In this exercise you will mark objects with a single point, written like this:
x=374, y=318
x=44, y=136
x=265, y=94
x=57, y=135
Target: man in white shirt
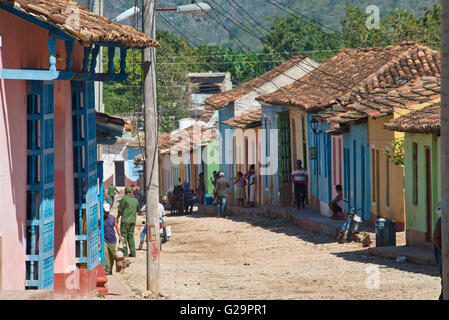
x=300, y=179
x=161, y=210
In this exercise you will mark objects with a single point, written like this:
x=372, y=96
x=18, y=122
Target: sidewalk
x=117, y=290
x=415, y=255
x=309, y=219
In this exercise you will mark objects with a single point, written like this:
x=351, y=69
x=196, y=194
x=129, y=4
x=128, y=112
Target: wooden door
x=119, y=173
x=428, y=195
x=39, y=262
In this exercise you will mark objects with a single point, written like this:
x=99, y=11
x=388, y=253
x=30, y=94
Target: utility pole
x=151, y=152
x=98, y=8
x=444, y=118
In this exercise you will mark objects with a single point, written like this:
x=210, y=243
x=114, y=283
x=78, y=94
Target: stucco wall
x=271, y=181
x=320, y=172
x=357, y=176
x=298, y=134
x=24, y=46
x=227, y=143
x=64, y=192
x=416, y=213
x=380, y=140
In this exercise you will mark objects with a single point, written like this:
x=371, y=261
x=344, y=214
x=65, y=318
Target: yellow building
x=299, y=141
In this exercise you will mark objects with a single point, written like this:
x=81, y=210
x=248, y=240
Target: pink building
x=49, y=234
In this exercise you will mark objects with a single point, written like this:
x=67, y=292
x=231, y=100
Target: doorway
x=428, y=195
x=119, y=173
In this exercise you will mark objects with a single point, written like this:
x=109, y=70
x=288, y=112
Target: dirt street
x=252, y=257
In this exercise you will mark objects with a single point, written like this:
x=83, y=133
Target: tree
x=395, y=27
x=292, y=35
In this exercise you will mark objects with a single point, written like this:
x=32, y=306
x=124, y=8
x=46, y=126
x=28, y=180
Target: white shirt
x=160, y=208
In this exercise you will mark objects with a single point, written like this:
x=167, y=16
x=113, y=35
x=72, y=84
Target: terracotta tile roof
x=93, y=28
x=342, y=118
x=354, y=73
x=243, y=120
x=187, y=139
x=425, y=120
x=384, y=101
x=207, y=113
x=412, y=93
x=224, y=98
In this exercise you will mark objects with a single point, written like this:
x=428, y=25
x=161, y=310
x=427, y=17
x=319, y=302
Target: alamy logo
x=373, y=20
x=372, y=282
x=73, y=20
x=73, y=280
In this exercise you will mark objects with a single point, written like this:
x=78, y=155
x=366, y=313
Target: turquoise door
x=40, y=186
x=85, y=175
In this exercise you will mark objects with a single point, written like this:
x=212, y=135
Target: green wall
x=212, y=164
x=415, y=215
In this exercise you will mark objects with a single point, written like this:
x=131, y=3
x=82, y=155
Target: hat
x=221, y=174
x=298, y=162
x=128, y=189
x=106, y=207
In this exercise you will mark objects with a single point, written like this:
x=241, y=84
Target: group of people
x=127, y=215
x=185, y=197
x=244, y=184
x=300, y=179
x=131, y=204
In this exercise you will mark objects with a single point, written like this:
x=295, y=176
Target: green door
x=285, y=160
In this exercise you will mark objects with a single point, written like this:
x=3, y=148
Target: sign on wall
x=313, y=153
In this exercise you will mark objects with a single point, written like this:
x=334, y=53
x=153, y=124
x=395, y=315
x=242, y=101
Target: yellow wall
x=296, y=134
x=380, y=140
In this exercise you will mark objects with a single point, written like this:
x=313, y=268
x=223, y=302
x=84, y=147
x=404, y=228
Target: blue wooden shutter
x=40, y=186
x=85, y=170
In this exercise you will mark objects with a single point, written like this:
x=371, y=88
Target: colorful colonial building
x=49, y=173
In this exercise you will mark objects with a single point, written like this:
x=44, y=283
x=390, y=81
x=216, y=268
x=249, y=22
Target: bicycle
x=350, y=226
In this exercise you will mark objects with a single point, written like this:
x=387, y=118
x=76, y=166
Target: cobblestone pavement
x=253, y=257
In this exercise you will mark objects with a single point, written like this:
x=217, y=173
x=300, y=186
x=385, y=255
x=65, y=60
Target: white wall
x=111, y=153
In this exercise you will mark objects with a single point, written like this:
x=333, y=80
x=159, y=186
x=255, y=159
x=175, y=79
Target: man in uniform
x=127, y=212
x=111, y=194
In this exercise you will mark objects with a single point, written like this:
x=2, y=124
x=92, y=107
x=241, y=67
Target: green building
x=422, y=178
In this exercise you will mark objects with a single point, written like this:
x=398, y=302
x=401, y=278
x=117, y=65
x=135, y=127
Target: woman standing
x=240, y=193
x=251, y=176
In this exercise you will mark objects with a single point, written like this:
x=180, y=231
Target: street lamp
x=198, y=10
x=131, y=12
x=314, y=126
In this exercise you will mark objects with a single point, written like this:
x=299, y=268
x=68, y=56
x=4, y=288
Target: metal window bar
x=39, y=264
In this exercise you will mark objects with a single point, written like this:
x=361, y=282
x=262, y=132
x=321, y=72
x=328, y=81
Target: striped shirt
x=299, y=175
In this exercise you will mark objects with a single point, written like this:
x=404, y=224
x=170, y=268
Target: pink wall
x=337, y=162
x=24, y=46
x=64, y=193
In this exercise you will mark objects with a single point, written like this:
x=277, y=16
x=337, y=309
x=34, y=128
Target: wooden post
x=151, y=151
x=445, y=143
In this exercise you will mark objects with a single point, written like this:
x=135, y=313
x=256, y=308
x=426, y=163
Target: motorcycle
x=351, y=226
x=165, y=231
